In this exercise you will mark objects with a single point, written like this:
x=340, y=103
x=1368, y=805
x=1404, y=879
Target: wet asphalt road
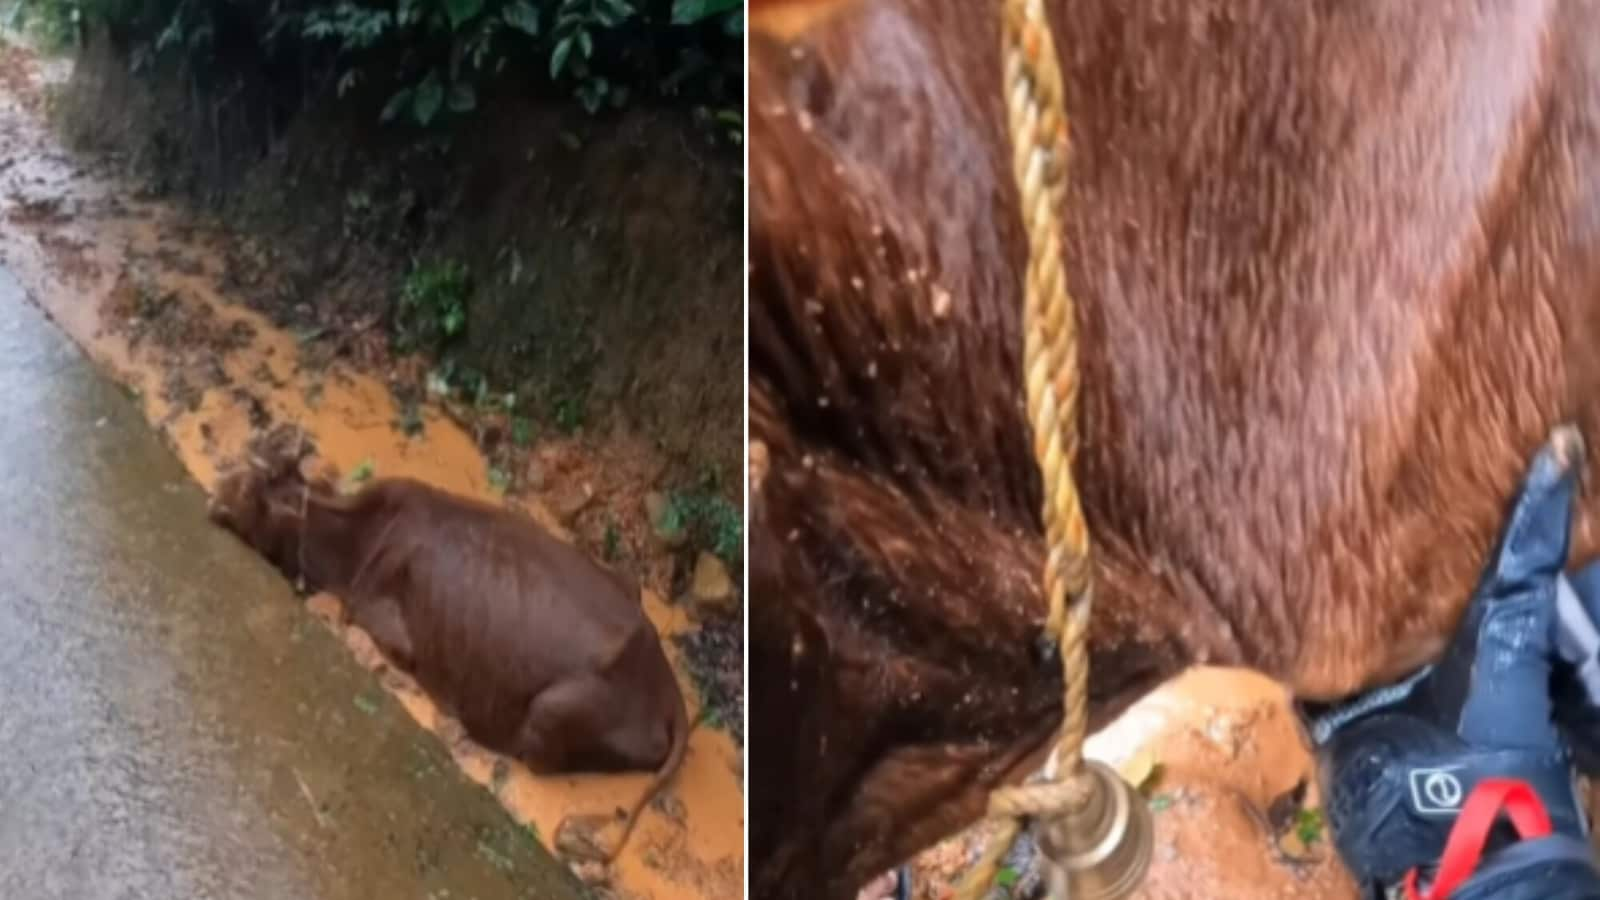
x=172, y=724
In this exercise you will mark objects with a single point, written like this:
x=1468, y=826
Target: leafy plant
x=708, y=518
x=433, y=306
x=425, y=62
x=360, y=474
x=1308, y=826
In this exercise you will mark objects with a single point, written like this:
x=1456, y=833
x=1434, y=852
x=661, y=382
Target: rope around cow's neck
x=1037, y=122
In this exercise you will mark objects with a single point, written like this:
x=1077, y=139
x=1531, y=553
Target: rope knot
x=1043, y=799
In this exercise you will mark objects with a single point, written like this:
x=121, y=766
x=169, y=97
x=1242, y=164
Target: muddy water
x=171, y=724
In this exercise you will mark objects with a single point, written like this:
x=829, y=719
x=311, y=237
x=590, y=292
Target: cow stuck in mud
x=1338, y=274
x=540, y=653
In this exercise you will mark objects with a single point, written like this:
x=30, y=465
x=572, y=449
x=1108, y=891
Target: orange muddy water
x=1231, y=785
x=142, y=290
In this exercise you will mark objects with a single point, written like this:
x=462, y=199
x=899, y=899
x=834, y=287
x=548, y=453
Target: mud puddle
x=145, y=293
x=1231, y=785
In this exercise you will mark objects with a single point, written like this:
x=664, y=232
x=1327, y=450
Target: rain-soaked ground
x=171, y=724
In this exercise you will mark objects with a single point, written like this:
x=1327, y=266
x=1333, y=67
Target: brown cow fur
x=1338, y=275
x=538, y=651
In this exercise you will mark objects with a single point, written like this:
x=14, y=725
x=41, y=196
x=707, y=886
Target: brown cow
x=1338, y=273
x=538, y=651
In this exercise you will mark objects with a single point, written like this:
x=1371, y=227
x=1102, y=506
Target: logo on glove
x=1436, y=792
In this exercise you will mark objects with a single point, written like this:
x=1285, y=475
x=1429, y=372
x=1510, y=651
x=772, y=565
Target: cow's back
x=499, y=608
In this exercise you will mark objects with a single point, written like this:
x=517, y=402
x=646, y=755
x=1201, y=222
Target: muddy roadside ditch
x=193, y=317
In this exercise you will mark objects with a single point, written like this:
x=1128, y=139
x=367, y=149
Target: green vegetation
x=521, y=431
x=706, y=517
x=361, y=473
x=432, y=311
x=424, y=62
x=1308, y=826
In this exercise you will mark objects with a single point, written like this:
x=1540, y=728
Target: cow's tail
x=680, y=746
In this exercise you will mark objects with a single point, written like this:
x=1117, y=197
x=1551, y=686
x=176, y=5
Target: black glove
x=1403, y=766
x=1577, y=679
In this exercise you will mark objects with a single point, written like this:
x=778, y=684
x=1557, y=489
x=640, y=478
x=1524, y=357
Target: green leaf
x=453, y=321
x=592, y=93
x=733, y=25
x=1308, y=826
x=462, y=11
x=522, y=16
x=463, y=98
x=558, y=58
x=400, y=100
x=429, y=97
x=362, y=471
x=688, y=12
x=1006, y=877
x=585, y=42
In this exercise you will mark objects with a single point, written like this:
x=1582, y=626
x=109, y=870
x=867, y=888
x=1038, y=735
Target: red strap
x=1464, y=849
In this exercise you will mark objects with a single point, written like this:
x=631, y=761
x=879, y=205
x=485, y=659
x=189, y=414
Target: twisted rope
x=1038, y=126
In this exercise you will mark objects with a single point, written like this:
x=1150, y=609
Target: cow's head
x=262, y=498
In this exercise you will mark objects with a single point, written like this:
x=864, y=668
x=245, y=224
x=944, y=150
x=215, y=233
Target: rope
x=1038, y=126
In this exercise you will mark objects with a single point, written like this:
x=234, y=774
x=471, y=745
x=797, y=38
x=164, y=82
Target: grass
x=709, y=716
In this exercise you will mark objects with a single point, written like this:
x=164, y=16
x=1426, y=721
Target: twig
x=306, y=791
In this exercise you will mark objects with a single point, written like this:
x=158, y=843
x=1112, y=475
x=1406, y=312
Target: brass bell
x=1101, y=851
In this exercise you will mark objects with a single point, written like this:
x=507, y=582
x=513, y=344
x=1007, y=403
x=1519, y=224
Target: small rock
x=570, y=499
x=575, y=841
x=711, y=590
x=656, y=508
x=592, y=872
x=668, y=804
